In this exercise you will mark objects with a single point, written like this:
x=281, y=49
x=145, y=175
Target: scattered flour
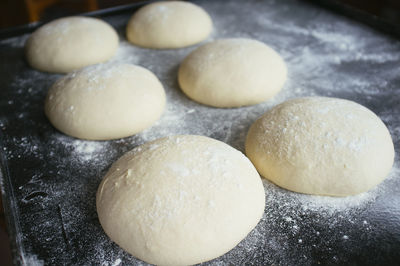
x=125, y=53
x=83, y=151
x=31, y=260
x=117, y=262
x=325, y=56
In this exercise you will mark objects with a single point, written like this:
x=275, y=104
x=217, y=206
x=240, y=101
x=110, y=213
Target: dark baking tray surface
x=49, y=180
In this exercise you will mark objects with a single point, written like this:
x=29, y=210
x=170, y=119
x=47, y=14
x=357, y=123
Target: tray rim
x=11, y=208
x=17, y=31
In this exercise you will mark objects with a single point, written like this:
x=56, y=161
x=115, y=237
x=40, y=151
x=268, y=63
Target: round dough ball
x=70, y=43
x=169, y=24
x=105, y=101
x=322, y=146
x=180, y=200
x=232, y=73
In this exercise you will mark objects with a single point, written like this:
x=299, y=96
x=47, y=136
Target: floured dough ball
x=169, y=24
x=71, y=43
x=323, y=146
x=232, y=73
x=180, y=200
x=105, y=101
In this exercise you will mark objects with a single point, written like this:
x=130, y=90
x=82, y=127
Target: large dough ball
x=322, y=146
x=180, y=200
x=169, y=24
x=105, y=101
x=71, y=43
x=232, y=73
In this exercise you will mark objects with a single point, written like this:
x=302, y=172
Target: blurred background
x=388, y=10
x=382, y=14
x=20, y=12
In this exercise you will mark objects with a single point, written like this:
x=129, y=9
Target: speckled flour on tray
x=326, y=55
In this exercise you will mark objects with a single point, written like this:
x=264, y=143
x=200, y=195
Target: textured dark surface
x=49, y=180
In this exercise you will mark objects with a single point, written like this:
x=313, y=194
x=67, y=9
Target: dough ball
x=105, y=101
x=169, y=24
x=322, y=146
x=71, y=43
x=232, y=73
x=180, y=200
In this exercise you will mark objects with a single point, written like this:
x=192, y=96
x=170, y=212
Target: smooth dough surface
x=169, y=24
x=105, y=101
x=323, y=146
x=70, y=43
x=232, y=73
x=180, y=200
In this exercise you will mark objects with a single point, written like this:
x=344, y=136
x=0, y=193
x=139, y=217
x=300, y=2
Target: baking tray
x=49, y=180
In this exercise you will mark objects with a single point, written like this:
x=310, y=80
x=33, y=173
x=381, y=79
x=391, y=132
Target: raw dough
x=71, y=43
x=105, y=101
x=232, y=73
x=171, y=24
x=323, y=146
x=180, y=200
